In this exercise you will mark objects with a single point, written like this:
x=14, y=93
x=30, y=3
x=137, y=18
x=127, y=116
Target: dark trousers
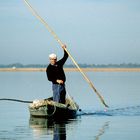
x=59, y=93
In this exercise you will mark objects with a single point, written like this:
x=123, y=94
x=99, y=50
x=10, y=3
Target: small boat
x=49, y=109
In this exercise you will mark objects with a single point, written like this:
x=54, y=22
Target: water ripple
x=125, y=111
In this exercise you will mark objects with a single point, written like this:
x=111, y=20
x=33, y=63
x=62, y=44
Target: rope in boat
x=34, y=12
x=15, y=100
x=52, y=112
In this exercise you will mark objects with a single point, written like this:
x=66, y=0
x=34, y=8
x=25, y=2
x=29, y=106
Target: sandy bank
x=72, y=69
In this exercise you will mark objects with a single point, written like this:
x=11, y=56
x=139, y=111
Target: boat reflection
x=57, y=130
x=42, y=127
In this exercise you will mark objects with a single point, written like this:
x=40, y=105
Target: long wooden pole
x=61, y=44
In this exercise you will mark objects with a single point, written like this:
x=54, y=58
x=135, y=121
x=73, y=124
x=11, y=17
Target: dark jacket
x=56, y=71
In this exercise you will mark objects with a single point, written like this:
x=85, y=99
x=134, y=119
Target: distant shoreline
x=72, y=69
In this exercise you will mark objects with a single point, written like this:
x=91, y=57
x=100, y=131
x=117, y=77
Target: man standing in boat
x=56, y=75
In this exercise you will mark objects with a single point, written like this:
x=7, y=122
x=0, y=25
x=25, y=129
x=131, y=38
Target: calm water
x=121, y=121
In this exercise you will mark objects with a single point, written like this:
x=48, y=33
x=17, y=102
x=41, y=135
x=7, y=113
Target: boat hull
x=50, y=109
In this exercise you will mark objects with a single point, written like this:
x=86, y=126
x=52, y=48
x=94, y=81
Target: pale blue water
x=121, y=121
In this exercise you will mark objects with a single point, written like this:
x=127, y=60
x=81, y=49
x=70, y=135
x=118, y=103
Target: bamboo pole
x=34, y=12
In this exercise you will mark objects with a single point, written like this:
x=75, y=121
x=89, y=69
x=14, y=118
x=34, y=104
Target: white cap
x=52, y=56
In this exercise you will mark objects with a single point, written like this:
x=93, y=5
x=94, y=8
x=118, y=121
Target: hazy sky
x=95, y=31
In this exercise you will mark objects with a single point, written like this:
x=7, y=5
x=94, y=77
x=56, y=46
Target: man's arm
x=65, y=57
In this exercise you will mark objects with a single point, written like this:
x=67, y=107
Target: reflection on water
x=40, y=126
x=43, y=127
x=102, y=130
x=59, y=131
